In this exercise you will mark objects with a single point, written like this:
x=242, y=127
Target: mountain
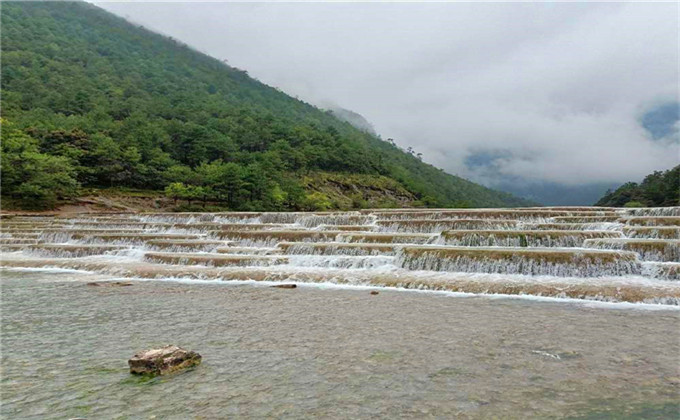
x=355, y=119
x=555, y=194
x=91, y=101
x=659, y=189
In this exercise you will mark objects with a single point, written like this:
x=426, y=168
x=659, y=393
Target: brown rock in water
x=374, y=292
x=163, y=361
x=285, y=286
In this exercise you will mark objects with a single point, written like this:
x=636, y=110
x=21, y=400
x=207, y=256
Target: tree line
x=658, y=189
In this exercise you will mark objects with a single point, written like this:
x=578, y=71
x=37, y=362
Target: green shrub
x=317, y=201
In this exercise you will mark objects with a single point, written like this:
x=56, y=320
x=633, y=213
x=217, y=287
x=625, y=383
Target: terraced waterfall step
x=274, y=236
x=630, y=255
x=662, y=270
x=13, y=247
x=184, y=245
x=247, y=250
x=386, y=238
x=649, y=249
x=653, y=232
x=336, y=248
x=653, y=211
x=614, y=226
x=350, y=228
x=512, y=214
x=607, y=288
x=73, y=251
x=128, y=237
x=17, y=241
x=523, y=238
x=587, y=219
x=439, y=225
x=528, y=261
x=8, y=235
x=251, y=226
x=335, y=219
x=216, y=260
x=653, y=221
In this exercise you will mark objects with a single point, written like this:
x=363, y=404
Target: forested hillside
x=659, y=189
x=90, y=100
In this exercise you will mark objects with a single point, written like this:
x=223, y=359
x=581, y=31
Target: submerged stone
x=162, y=361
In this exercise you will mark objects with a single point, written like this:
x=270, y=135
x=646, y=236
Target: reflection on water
x=307, y=352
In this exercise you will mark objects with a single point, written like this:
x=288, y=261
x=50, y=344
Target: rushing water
x=310, y=353
x=606, y=254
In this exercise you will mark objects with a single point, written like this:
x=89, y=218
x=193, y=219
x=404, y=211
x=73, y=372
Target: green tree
x=176, y=191
x=231, y=183
x=36, y=179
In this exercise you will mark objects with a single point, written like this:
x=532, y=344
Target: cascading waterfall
x=554, y=262
x=662, y=270
x=349, y=228
x=648, y=249
x=653, y=211
x=179, y=245
x=125, y=238
x=614, y=226
x=335, y=219
x=285, y=218
x=653, y=221
x=334, y=248
x=652, y=232
x=587, y=253
x=73, y=251
x=212, y=260
x=519, y=238
x=586, y=219
x=18, y=241
x=270, y=238
x=340, y=261
x=389, y=238
x=437, y=226
x=247, y=250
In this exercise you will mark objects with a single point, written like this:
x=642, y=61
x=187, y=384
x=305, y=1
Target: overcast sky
x=491, y=91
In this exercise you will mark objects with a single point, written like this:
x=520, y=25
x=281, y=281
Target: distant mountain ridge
x=355, y=119
x=91, y=100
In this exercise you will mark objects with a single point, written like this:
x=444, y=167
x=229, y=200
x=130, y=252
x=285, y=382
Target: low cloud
x=543, y=92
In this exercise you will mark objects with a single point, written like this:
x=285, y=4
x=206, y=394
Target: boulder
x=162, y=361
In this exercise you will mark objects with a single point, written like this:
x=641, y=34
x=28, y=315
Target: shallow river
x=315, y=352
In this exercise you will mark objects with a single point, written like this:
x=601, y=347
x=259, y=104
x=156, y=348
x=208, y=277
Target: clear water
x=329, y=353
